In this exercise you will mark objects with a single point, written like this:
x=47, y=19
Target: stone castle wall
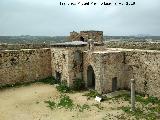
x=72, y=62
x=133, y=45
x=144, y=67
x=68, y=62
x=22, y=46
x=114, y=68
x=97, y=36
x=24, y=65
x=106, y=66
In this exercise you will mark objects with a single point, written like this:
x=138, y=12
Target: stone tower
x=85, y=36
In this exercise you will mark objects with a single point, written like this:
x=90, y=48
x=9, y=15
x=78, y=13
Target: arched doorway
x=90, y=77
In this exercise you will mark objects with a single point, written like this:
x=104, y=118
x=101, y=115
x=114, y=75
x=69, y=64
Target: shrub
x=92, y=94
x=49, y=80
x=65, y=102
x=63, y=88
x=78, y=84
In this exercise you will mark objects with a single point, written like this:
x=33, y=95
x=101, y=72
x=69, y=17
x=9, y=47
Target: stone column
x=132, y=94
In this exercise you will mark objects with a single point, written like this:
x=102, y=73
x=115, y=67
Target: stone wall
x=97, y=36
x=133, y=45
x=114, y=68
x=24, y=65
x=68, y=62
x=106, y=65
x=144, y=67
x=22, y=46
x=59, y=63
x=124, y=64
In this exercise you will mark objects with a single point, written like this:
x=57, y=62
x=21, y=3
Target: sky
x=49, y=18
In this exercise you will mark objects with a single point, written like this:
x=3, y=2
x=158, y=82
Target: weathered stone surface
x=133, y=45
x=22, y=46
x=97, y=36
x=145, y=69
x=112, y=67
x=24, y=65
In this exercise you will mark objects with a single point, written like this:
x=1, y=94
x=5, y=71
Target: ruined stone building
x=104, y=69
x=85, y=57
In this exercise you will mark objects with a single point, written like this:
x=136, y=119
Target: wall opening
x=81, y=39
x=58, y=76
x=90, y=77
x=114, y=84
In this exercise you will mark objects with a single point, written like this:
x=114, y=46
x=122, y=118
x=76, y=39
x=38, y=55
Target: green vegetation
x=140, y=113
x=98, y=106
x=125, y=97
x=148, y=109
x=65, y=102
x=81, y=108
x=63, y=88
x=51, y=104
x=92, y=94
x=14, y=85
x=78, y=85
x=148, y=100
x=49, y=80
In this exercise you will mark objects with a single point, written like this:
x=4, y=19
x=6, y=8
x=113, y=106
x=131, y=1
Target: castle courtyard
x=28, y=103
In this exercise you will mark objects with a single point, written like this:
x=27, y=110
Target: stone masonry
x=87, y=58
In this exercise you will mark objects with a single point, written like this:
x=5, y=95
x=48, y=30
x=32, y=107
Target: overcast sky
x=47, y=17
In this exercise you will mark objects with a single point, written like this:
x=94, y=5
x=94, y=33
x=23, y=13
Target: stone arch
x=90, y=77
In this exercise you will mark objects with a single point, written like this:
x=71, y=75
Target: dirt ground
x=27, y=103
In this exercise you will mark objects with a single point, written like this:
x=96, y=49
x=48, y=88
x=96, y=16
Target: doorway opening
x=90, y=77
x=114, y=84
x=58, y=76
x=81, y=39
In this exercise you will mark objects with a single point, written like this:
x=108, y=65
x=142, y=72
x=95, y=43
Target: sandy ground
x=27, y=103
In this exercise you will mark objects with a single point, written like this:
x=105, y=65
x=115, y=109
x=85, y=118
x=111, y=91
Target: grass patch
x=63, y=88
x=92, y=94
x=148, y=100
x=65, y=102
x=98, y=106
x=149, y=111
x=125, y=97
x=48, y=80
x=78, y=85
x=18, y=84
x=140, y=114
x=81, y=108
x=51, y=104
